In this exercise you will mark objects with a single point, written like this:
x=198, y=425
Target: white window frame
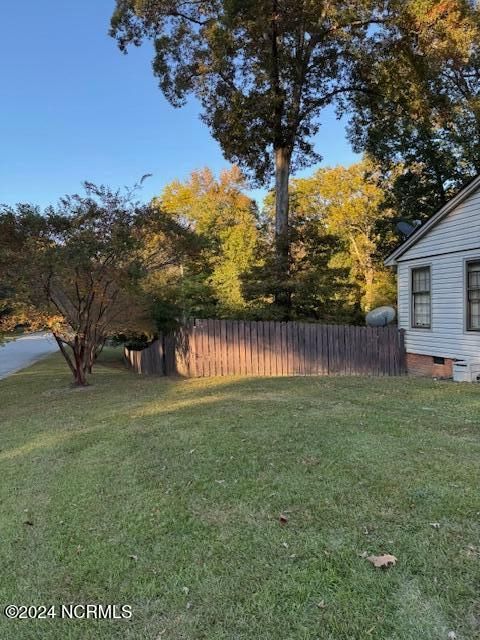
x=413, y=325
x=468, y=262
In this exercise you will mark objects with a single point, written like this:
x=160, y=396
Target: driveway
x=25, y=350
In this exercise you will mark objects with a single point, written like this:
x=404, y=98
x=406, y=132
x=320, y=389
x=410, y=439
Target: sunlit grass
x=166, y=495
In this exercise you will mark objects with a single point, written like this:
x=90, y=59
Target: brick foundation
x=420, y=365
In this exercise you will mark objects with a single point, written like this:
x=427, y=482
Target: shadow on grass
x=121, y=402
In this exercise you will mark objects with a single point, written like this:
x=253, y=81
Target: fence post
x=403, y=355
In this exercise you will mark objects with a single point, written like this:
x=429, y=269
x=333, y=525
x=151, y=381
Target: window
x=421, y=300
x=473, y=296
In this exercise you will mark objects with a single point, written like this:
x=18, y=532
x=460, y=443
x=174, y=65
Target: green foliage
x=5, y=308
x=318, y=289
x=340, y=225
x=419, y=112
x=350, y=203
x=406, y=73
x=77, y=269
x=263, y=72
x=223, y=221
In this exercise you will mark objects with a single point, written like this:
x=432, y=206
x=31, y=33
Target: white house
x=438, y=273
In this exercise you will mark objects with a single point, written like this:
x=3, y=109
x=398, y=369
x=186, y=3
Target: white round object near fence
x=380, y=317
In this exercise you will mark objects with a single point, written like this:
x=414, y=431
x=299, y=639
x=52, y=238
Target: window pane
x=417, y=280
x=421, y=309
x=474, y=315
x=421, y=280
x=473, y=284
x=474, y=294
x=474, y=275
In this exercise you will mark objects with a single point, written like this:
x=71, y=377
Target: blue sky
x=73, y=107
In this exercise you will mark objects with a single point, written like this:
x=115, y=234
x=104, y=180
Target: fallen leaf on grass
x=283, y=519
x=321, y=604
x=435, y=525
x=384, y=561
x=310, y=461
x=133, y=557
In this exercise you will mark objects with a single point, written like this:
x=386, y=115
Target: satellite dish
x=380, y=317
x=405, y=228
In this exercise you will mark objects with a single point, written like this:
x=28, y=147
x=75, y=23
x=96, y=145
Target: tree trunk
x=369, y=278
x=80, y=355
x=75, y=353
x=282, y=234
x=94, y=351
x=80, y=377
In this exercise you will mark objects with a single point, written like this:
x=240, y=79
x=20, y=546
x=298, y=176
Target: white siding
x=447, y=336
x=458, y=231
x=445, y=248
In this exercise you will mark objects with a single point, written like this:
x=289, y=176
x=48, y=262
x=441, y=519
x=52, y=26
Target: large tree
x=263, y=71
x=224, y=221
x=419, y=113
x=349, y=203
x=77, y=268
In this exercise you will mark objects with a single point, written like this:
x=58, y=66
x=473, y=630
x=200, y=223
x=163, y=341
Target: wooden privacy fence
x=236, y=347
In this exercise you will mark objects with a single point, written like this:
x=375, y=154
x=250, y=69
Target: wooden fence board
x=210, y=338
x=296, y=355
x=309, y=348
x=248, y=349
x=200, y=340
x=277, y=327
x=241, y=348
x=330, y=347
x=281, y=354
x=207, y=338
x=273, y=348
x=261, y=348
x=232, y=347
x=202, y=348
x=321, y=367
x=318, y=366
x=266, y=349
x=302, y=347
x=235, y=348
x=336, y=349
x=358, y=350
x=229, y=346
x=348, y=338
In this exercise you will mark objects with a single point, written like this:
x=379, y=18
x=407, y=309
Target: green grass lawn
x=166, y=495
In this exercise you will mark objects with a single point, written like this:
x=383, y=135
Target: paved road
x=21, y=352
